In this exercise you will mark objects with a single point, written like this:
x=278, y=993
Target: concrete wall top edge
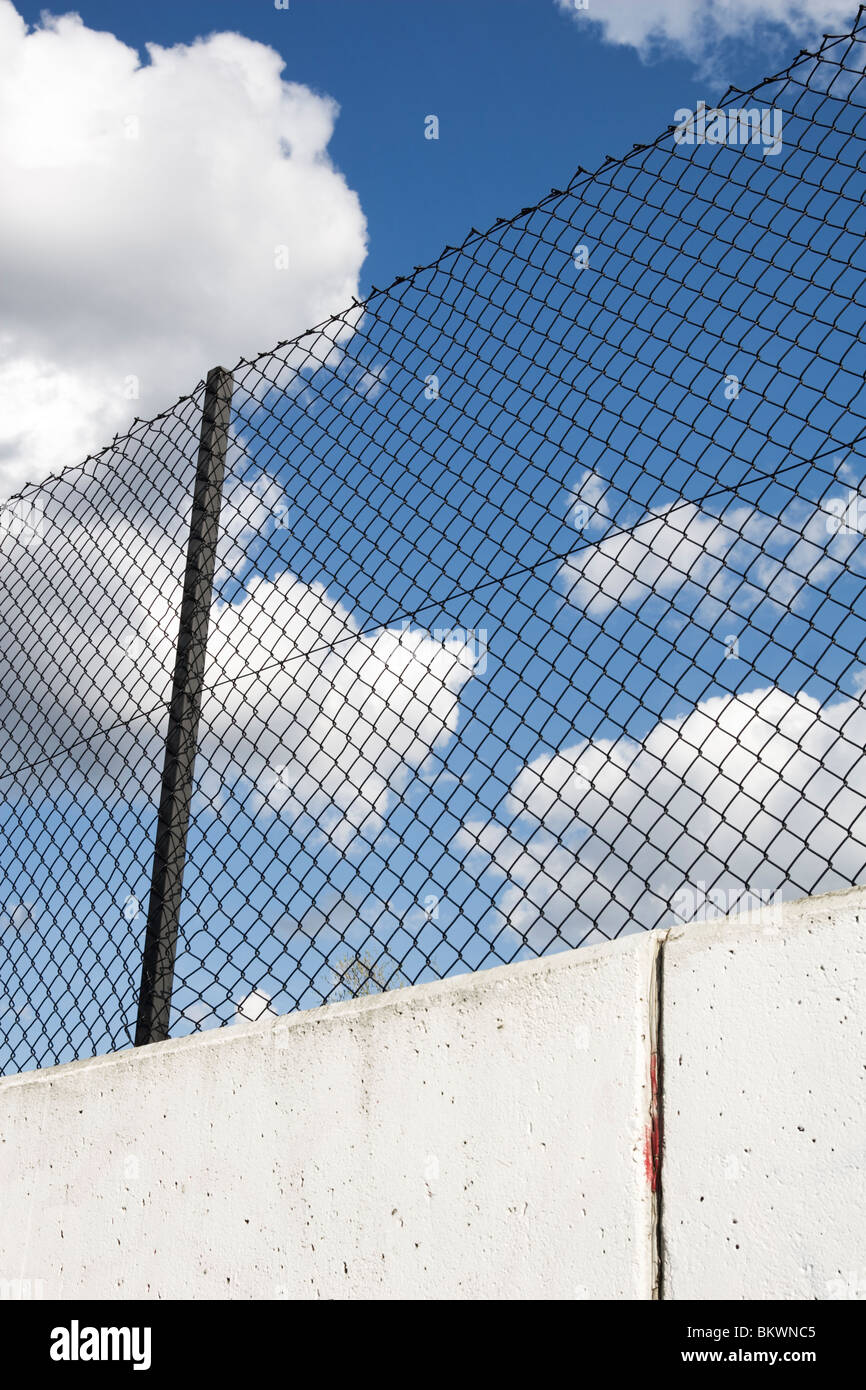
x=802, y=914
x=479, y=982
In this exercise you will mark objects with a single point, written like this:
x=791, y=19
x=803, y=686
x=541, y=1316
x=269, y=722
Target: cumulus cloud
x=675, y=543
x=698, y=29
x=704, y=561
x=748, y=796
x=162, y=213
x=324, y=723
x=740, y=798
x=304, y=716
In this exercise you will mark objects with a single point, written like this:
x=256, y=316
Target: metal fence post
x=163, y=913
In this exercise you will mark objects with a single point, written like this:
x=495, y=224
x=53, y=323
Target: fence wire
x=538, y=615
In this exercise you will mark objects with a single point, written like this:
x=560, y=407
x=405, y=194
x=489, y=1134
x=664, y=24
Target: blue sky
x=606, y=653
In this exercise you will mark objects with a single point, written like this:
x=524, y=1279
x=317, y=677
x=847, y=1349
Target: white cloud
x=745, y=795
x=253, y=504
x=675, y=543
x=253, y=1006
x=697, y=29
x=324, y=723
x=303, y=715
x=143, y=206
x=372, y=382
x=757, y=793
x=699, y=559
x=590, y=501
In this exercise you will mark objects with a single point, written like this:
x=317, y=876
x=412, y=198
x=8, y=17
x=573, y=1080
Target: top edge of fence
x=580, y=177
x=118, y=440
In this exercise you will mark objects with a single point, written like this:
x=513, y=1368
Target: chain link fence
x=536, y=618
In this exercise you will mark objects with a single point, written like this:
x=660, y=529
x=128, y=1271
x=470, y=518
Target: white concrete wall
x=483, y=1137
x=764, y=1046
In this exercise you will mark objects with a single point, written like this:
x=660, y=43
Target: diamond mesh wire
x=89, y=591
x=538, y=615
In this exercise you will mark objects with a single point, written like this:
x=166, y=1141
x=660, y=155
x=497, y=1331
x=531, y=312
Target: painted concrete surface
x=764, y=1101
x=483, y=1137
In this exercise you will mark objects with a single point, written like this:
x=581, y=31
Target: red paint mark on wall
x=653, y=1140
